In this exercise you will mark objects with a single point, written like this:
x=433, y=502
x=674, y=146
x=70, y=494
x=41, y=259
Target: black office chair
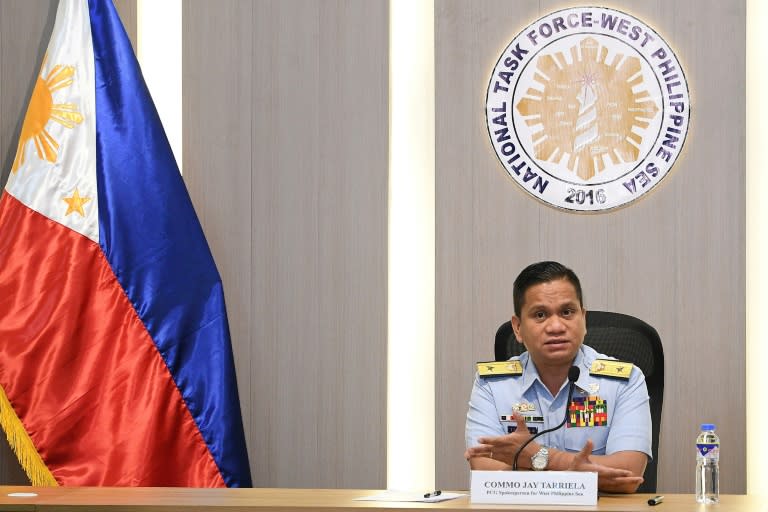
x=628, y=339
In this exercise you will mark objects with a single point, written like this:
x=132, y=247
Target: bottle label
x=708, y=450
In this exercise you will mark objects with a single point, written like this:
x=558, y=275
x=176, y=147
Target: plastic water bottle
x=707, y=465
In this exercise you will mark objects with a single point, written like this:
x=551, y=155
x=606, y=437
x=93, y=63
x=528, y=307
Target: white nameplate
x=534, y=487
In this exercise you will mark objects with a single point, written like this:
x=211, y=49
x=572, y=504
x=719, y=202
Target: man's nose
x=555, y=324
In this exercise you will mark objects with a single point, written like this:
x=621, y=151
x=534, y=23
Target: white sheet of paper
x=409, y=496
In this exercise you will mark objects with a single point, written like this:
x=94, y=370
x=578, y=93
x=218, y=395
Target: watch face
x=539, y=461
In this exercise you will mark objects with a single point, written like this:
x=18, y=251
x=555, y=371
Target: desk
x=169, y=499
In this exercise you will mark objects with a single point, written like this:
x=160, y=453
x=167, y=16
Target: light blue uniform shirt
x=629, y=415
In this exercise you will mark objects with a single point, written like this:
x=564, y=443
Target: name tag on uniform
x=508, y=418
x=513, y=428
x=528, y=419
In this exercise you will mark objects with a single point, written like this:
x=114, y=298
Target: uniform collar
x=583, y=362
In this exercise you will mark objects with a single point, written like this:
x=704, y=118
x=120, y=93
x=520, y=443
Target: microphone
x=573, y=376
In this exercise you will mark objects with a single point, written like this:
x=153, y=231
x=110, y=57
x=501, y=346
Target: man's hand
x=608, y=478
x=503, y=448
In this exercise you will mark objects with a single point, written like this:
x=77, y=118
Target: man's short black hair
x=542, y=272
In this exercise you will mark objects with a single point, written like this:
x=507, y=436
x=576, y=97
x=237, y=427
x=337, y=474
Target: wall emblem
x=588, y=109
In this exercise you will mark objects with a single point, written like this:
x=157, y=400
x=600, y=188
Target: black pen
x=433, y=494
x=655, y=500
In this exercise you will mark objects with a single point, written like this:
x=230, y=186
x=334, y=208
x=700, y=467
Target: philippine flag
x=115, y=361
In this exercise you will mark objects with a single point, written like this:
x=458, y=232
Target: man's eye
x=539, y=315
x=568, y=312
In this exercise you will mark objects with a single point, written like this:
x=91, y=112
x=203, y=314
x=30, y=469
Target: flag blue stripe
x=153, y=240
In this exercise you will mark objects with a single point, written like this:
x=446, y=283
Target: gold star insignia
x=75, y=203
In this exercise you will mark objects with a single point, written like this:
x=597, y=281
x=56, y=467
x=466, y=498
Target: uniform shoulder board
x=499, y=368
x=611, y=368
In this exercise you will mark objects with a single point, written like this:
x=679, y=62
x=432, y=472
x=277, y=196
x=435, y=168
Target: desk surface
x=167, y=499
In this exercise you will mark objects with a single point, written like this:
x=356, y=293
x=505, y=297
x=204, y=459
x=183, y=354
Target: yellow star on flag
x=76, y=203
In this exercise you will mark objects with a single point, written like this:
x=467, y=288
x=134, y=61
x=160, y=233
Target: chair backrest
x=628, y=339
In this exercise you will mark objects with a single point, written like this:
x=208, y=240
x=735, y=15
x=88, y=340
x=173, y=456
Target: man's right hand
x=503, y=448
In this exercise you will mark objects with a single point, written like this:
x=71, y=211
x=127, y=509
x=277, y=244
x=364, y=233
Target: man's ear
x=516, y=328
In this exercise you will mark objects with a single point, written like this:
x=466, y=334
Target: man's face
x=552, y=323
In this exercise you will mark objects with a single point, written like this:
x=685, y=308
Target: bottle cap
x=708, y=426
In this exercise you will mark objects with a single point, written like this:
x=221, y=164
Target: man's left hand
x=608, y=478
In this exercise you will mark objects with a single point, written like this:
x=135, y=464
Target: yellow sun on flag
x=75, y=203
x=41, y=110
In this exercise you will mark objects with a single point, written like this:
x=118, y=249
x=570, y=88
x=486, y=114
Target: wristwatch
x=540, y=459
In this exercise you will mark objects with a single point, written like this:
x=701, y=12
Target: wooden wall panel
x=217, y=157
x=128, y=11
x=675, y=258
x=285, y=155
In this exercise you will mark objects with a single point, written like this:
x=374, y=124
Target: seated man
x=609, y=428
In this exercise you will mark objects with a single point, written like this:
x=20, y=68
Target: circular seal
x=587, y=108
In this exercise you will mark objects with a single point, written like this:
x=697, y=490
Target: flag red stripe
x=81, y=402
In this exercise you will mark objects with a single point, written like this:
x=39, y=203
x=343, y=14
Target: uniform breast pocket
x=575, y=437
